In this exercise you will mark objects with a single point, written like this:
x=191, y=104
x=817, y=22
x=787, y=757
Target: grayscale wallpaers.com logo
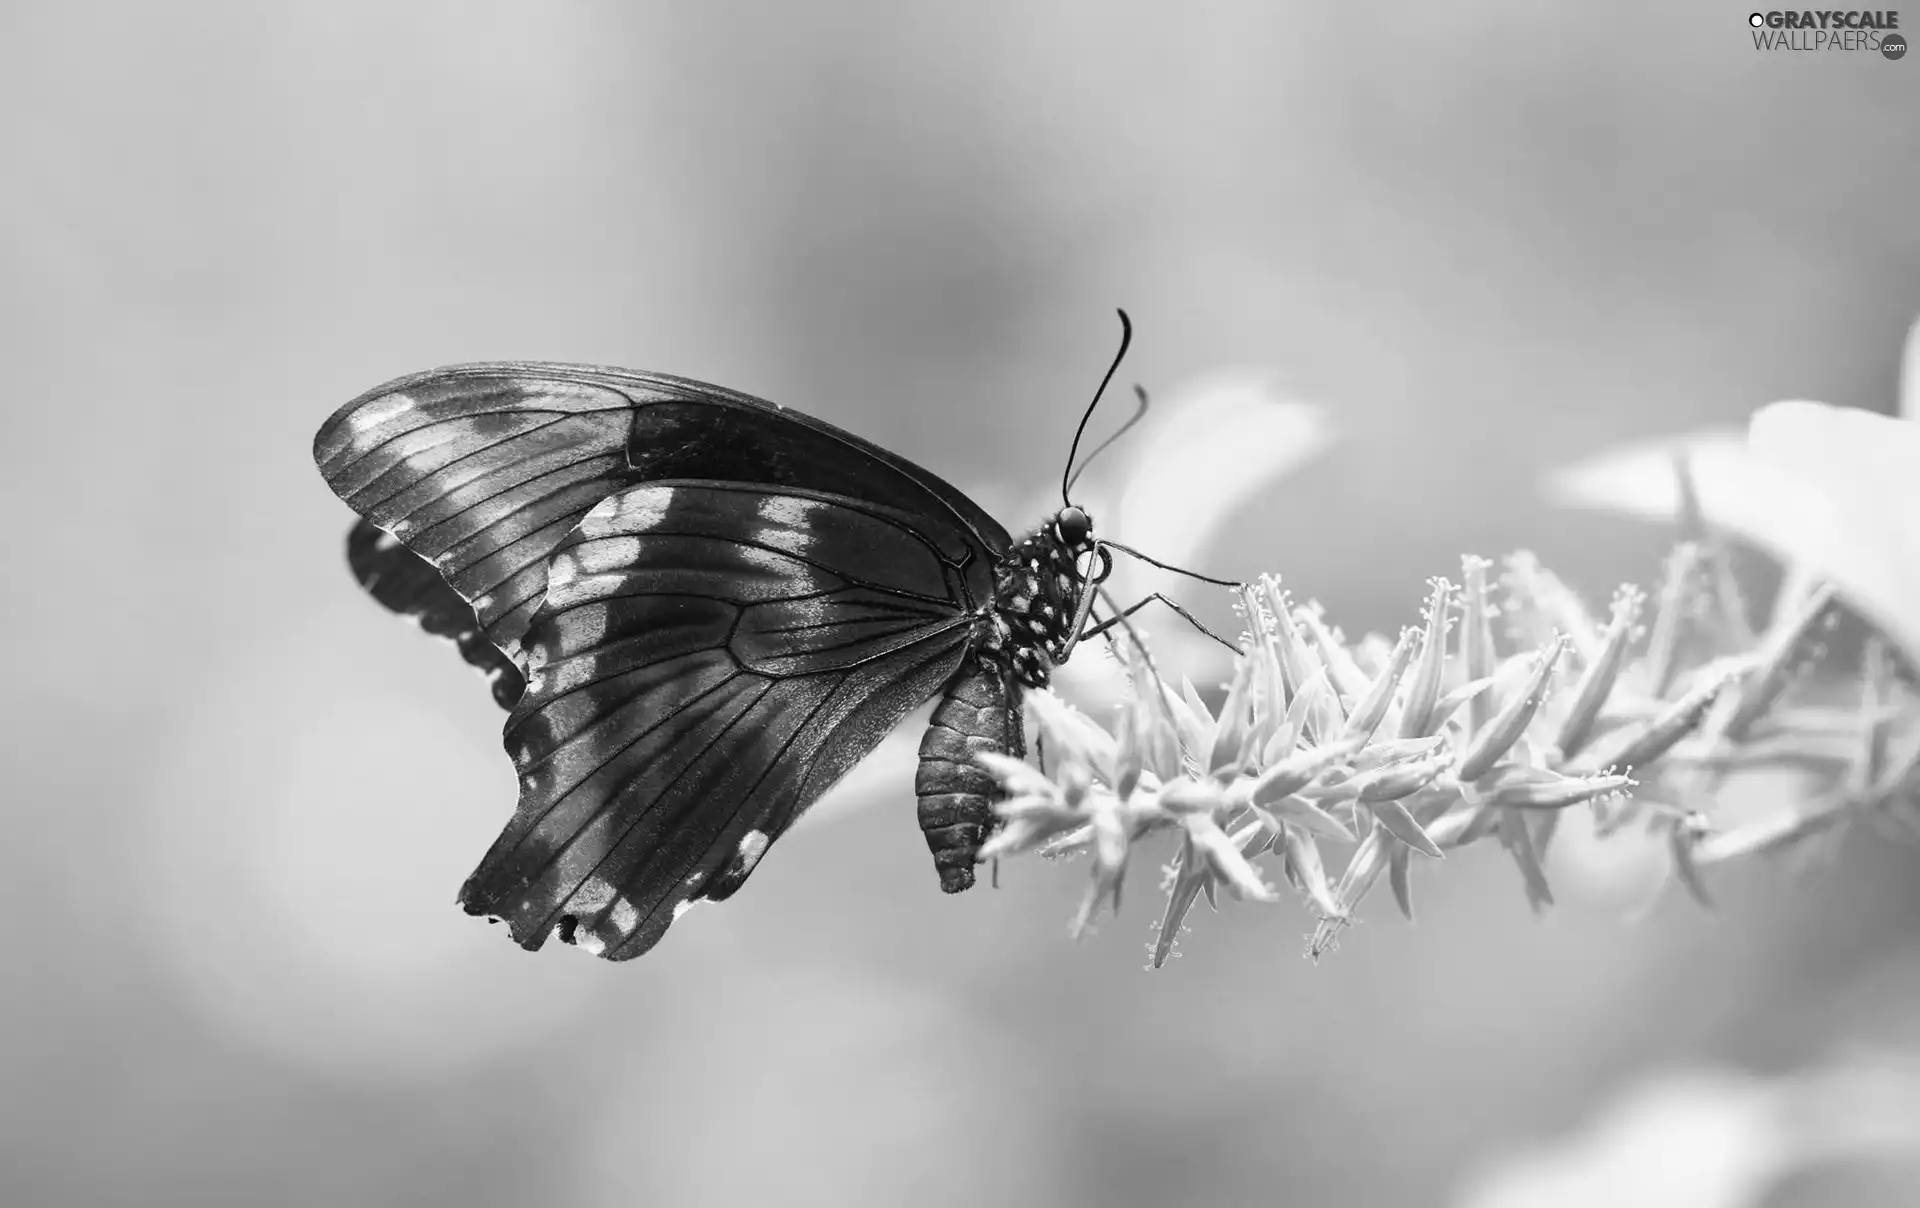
x=1821, y=30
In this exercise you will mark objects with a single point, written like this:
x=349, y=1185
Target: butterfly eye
x=1073, y=525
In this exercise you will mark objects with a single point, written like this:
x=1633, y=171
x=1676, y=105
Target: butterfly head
x=1073, y=528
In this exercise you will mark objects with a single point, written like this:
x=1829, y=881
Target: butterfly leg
x=1102, y=627
x=980, y=711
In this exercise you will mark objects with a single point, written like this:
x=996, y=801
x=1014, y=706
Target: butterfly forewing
x=483, y=469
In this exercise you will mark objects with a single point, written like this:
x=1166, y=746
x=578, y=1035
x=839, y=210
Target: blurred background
x=1488, y=239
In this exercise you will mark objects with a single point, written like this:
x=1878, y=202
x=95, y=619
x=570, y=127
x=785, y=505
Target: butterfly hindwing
x=408, y=584
x=708, y=660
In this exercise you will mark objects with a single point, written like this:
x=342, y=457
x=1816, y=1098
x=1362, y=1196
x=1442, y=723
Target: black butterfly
x=702, y=610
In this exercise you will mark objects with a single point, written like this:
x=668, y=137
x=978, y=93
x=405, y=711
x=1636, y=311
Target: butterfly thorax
x=1037, y=590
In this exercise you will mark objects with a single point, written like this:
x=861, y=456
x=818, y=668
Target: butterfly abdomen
x=980, y=711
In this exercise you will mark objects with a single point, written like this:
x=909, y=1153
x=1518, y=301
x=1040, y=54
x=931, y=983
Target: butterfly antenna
x=1126, y=340
x=1178, y=570
x=1139, y=413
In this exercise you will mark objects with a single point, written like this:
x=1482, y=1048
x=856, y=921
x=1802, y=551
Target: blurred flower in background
x=1832, y=492
x=1716, y=1138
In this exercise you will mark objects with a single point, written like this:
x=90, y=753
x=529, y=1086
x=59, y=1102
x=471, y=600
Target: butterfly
x=701, y=610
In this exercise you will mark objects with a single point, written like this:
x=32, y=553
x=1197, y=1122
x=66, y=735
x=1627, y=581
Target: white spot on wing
x=374, y=414
x=601, y=556
x=680, y=908
x=628, y=512
x=753, y=845
x=623, y=916
x=592, y=897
